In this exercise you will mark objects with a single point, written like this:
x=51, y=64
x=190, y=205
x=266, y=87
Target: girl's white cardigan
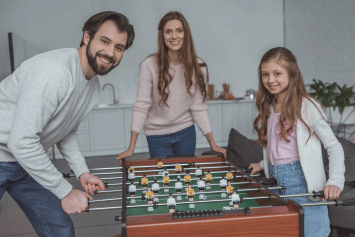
x=310, y=153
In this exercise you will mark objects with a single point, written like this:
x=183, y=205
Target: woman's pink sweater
x=182, y=111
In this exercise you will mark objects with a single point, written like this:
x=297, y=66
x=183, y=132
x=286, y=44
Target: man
x=42, y=103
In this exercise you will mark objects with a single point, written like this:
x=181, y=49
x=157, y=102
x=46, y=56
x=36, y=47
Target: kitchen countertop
x=123, y=106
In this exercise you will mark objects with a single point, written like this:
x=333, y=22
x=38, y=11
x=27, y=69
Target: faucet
x=113, y=89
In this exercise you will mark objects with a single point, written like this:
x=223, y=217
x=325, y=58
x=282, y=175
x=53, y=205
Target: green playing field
x=163, y=208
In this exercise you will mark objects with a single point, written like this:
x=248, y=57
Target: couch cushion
x=343, y=216
x=242, y=151
x=349, y=151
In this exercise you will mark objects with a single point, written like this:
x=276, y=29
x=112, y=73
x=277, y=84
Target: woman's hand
x=256, y=168
x=220, y=150
x=331, y=192
x=125, y=154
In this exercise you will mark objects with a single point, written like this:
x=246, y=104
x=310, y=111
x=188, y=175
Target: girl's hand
x=221, y=150
x=256, y=168
x=331, y=192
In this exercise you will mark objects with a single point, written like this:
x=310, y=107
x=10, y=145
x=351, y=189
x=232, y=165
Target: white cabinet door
x=215, y=116
x=214, y=112
x=229, y=119
x=245, y=116
x=107, y=129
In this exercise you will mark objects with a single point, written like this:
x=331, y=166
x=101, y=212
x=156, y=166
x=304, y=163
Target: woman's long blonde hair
x=295, y=93
x=188, y=59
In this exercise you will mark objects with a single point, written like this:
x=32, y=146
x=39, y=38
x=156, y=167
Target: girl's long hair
x=188, y=58
x=295, y=92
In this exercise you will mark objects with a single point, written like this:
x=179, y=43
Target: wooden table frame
x=285, y=220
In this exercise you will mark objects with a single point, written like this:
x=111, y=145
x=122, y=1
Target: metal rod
x=219, y=191
x=207, y=201
x=318, y=204
x=119, y=172
x=110, y=191
x=197, y=192
x=104, y=208
x=105, y=200
x=212, y=167
x=182, y=164
x=111, y=178
x=207, y=185
x=108, y=168
x=116, y=184
x=174, y=180
x=147, y=171
x=213, y=172
x=296, y=195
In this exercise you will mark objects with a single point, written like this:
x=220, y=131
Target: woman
x=172, y=94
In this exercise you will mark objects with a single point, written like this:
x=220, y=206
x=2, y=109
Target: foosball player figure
x=208, y=177
x=178, y=186
x=171, y=202
x=229, y=175
x=166, y=180
x=160, y=164
x=223, y=183
x=155, y=187
x=201, y=185
x=187, y=177
x=150, y=195
x=144, y=181
x=230, y=189
x=131, y=175
x=178, y=168
x=198, y=172
x=235, y=198
x=164, y=172
x=132, y=189
x=190, y=193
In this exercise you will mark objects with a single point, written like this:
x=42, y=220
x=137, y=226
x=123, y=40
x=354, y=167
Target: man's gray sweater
x=41, y=104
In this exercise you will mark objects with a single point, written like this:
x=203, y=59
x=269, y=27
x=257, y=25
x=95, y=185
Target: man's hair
x=93, y=24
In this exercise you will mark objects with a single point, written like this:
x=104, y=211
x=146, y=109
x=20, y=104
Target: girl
x=290, y=127
x=171, y=94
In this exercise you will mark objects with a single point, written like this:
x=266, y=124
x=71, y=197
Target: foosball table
x=209, y=211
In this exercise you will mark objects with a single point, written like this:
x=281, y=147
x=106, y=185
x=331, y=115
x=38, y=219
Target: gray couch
x=242, y=151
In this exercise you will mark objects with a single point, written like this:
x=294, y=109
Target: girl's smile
x=275, y=78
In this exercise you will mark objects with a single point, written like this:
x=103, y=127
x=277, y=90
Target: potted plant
x=333, y=95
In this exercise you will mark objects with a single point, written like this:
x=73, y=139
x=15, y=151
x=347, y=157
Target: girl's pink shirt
x=280, y=151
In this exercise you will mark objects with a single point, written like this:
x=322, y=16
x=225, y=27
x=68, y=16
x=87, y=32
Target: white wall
x=321, y=34
x=230, y=35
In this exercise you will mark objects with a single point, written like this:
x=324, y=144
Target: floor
x=13, y=221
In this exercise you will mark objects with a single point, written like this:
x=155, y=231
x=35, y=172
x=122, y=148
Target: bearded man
x=41, y=104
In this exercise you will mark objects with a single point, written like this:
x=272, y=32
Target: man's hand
x=256, y=168
x=75, y=202
x=127, y=153
x=331, y=192
x=91, y=183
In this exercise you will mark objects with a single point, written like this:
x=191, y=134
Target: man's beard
x=99, y=69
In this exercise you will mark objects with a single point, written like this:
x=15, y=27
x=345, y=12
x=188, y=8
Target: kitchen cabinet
x=106, y=130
